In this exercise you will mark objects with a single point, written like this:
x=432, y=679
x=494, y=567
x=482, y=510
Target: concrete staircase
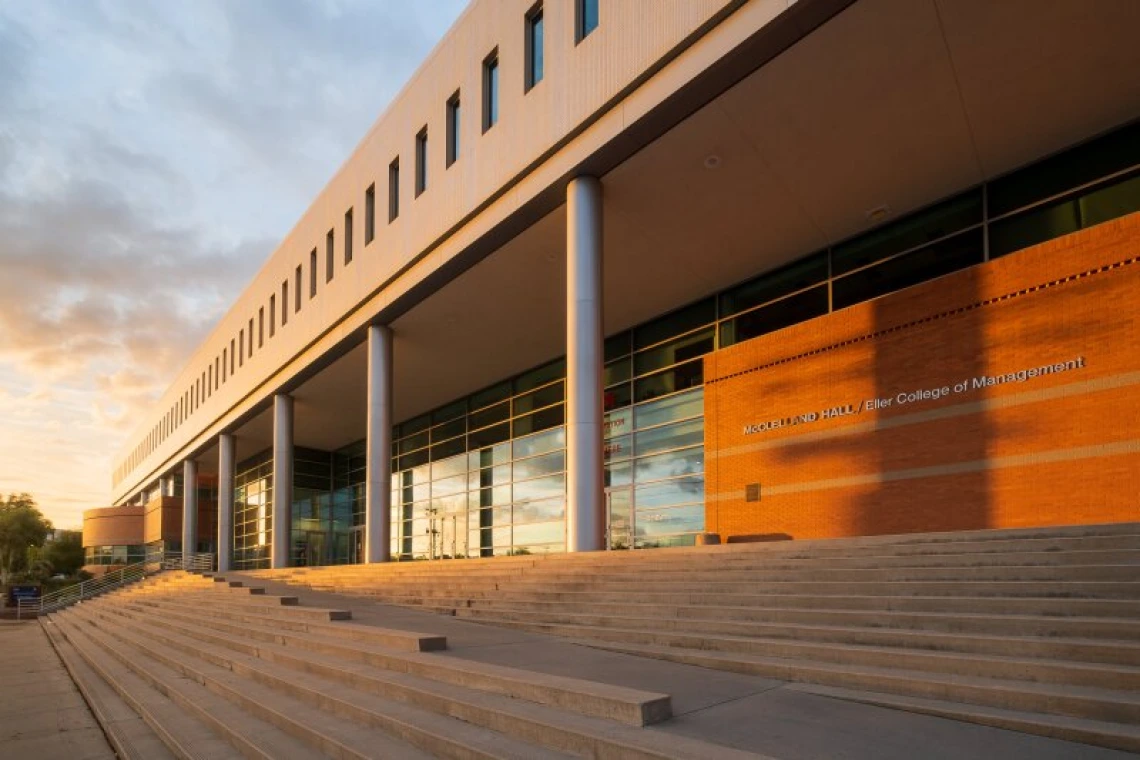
x=191, y=666
x=1031, y=630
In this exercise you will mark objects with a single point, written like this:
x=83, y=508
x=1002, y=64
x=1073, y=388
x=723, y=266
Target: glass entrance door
x=315, y=550
x=619, y=517
x=356, y=545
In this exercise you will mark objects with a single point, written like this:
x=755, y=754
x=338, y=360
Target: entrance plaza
x=609, y=277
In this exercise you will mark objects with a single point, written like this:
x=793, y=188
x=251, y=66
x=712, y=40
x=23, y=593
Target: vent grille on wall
x=752, y=492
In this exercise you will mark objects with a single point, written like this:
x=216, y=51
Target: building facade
x=607, y=276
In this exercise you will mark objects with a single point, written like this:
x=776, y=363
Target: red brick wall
x=1054, y=450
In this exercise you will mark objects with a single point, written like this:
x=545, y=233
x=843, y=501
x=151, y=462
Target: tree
x=21, y=525
x=65, y=552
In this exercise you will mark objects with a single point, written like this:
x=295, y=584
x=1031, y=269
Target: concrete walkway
x=42, y=714
x=776, y=718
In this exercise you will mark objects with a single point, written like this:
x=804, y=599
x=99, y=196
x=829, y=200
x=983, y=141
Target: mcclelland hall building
x=618, y=274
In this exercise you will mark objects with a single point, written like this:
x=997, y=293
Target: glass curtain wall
x=253, y=512
x=485, y=475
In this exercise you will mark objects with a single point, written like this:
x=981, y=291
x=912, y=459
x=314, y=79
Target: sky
x=152, y=155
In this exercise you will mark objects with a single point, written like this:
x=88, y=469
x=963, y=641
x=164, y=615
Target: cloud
x=151, y=155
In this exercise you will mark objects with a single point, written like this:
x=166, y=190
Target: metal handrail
x=155, y=562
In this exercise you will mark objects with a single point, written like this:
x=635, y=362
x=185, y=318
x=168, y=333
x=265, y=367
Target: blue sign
x=16, y=593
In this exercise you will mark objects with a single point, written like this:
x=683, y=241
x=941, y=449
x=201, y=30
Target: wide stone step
x=1070, y=573
x=1113, y=735
x=746, y=566
x=1010, y=667
x=285, y=668
x=1120, y=590
x=1047, y=699
x=405, y=641
x=981, y=605
x=250, y=736
x=630, y=706
x=291, y=708
x=727, y=555
x=1089, y=628
x=1115, y=536
x=126, y=730
x=1048, y=646
x=290, y=611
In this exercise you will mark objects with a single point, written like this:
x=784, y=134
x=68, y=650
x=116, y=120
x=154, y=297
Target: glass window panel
x=532, y=423
x=676, y=407
x=540, y=444
x=675, y=436
x=616, y=372
x=1111, y=202
x=455, y=504
x=489, y=436
x=616, y=396
x=446, y=468
x=618, y=345
x=618, y=448
x=450, y=412
x=541, y=465
x=490, y=415
x=671, y=464
x=618, y=474
x=449, y=485
x=540, y=533
x=681, y=321
x=654, y=523
x=933, y=261
x=493, y=395
x=449, y=430
x=540, y=488
x=456, y=446
x=1074, y=167
x=414, y=442
x=416, y=425
x=776, y=316
x=420, y=474
x=1034, y=226
x=415, y=459
x=551, y=394
x=783, y=281
x=538, y=511
x=617, y=422
x=667, y=493
x=494, y=476
x=679, y=378
x=587, y=17
x=421, y=491
x=495, y=496
x=501, y=537
x=547, y=373
x=930, y=224
x=679, y=350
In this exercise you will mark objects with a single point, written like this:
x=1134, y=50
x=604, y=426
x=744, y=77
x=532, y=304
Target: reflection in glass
x=666, y=493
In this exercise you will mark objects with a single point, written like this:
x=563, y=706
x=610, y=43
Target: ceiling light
x=712, y=161
x=879, y=213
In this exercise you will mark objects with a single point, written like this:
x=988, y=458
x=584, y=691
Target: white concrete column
x=189, y=508
x=585, y=491
x=282, y=479
x=378, y=477
x=225, y=502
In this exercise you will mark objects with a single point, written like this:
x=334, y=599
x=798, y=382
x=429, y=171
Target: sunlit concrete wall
x=591, y=92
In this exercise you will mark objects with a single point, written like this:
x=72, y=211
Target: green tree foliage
x=21, y=525
x=65, y=552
